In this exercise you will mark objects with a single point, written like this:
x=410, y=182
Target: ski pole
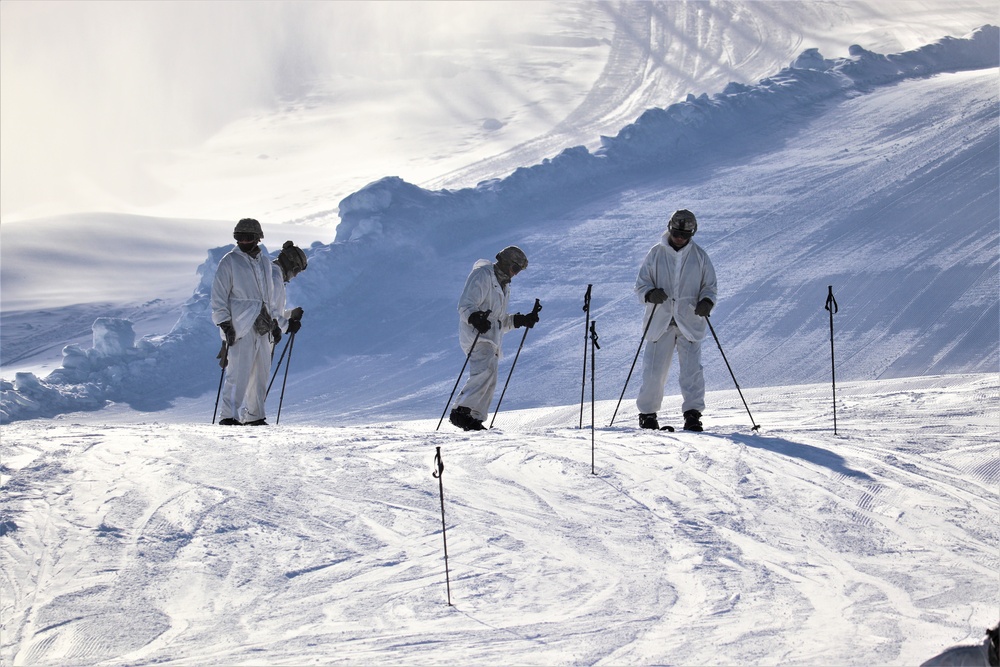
x=275, y=374
x=831, y=305
x=756, y=427
x=593, y=346
x=534, y=311
x=641, y=340
x=459, y=379
x=291, y=344
x=223, y=358
x=438, y=474
x=586, y=326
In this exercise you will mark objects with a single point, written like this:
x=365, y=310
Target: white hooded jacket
x=483, y=292
x=687, y=276
x=242, y=284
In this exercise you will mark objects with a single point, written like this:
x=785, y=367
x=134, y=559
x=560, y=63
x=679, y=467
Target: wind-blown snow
x=134, y=532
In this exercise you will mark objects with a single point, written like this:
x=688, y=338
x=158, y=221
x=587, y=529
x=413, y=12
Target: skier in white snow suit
x=482, y=310
x=245, y=305
x=677, y=283
x=290, y=263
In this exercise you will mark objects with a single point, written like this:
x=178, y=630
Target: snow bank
x=117, y=368
x=392, y=222
x=392, y=206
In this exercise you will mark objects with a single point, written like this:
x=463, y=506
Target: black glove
x=529, y=320
x=275, y=331
x=295, y=320
x=656, y=295
x=704, y=308
x=223, y=356
x=481, y=320
x=227, y=328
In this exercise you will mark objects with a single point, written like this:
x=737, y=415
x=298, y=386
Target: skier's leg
x=241, y=355
x=478, y=390
x=655, y=368
x=260, y=367
x=692, y=375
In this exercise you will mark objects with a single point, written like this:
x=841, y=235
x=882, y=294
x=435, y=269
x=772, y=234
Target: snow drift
x=379, y=334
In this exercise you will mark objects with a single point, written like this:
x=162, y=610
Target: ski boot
x=692, y=421
x=648, y=420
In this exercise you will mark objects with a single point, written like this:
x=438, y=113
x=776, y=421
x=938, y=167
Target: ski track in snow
x=190, y=543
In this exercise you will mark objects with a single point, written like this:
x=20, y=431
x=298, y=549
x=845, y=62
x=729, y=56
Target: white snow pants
x=656, y=365
x=245, y=386
x=478, y=390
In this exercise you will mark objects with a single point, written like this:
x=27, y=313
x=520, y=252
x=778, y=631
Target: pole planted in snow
x=534, y=311
x=223, y=358
x=756, y=426
x=586, y=328
x=438, y=474
x=291, y=344
x=459, y=378
x=593, y=346
x=641, y=341
x=831, y=305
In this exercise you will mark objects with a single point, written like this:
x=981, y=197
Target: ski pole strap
x=831, y=302
x=586, y=299
x=537, y=307
x=439, y=464
x=593, y=335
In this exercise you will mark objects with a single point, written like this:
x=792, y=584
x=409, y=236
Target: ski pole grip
x=439, y=464
x=586, y=299
x=831, y=302
x=537, y=307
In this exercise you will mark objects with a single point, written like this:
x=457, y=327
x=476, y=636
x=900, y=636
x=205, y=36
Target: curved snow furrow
x=721, y=498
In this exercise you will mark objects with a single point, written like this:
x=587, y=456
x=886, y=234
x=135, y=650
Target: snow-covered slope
x=866, y=173
x=143, y=542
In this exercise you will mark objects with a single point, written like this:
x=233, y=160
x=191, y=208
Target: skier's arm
x=473, y=297
x=709, y=287
x=278, y=298
x=222, y=287
x=646, y=279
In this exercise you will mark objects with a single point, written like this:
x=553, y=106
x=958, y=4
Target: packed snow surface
x=169, y=542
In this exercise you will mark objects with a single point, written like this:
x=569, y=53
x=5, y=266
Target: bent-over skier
x=482, y=311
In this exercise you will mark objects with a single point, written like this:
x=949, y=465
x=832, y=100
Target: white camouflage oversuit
x=482, y=292
x=243, y=283
x=687, y=276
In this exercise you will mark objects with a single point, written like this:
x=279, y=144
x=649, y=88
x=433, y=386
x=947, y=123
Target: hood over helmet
x=292, y=260
x=512, y=255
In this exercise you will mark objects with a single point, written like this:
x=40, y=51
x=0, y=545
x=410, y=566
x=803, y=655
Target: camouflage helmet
x=291, y=259
x=683, y=220
x=512, y=255
x=248, y=226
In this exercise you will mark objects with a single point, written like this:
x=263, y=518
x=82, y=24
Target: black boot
x=648, y=420
x=461, y=417
x=229, y=421
x=692, y=421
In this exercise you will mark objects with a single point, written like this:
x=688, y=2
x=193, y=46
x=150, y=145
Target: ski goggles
x=681, y=233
